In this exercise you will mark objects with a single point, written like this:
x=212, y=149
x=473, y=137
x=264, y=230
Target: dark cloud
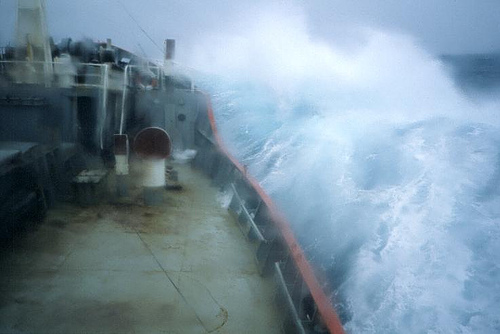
x=444, y=26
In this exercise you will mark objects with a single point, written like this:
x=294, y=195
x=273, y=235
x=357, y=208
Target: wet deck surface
x=184, y=267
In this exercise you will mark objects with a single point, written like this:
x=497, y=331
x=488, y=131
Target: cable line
x=138, y=25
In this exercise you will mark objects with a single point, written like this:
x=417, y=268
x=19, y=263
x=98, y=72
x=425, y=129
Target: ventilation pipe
x=153, y=146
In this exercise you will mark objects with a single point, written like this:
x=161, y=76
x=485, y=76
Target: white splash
x=389, y=176
x=183, y=156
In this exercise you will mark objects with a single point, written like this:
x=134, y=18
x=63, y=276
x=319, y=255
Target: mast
x=32, y=37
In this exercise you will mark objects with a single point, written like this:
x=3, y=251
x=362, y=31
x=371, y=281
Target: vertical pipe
x=153, y=181
x=124, y=97
x=169, y=49
x=169, y=55
x=121, y=150
x=105, y=83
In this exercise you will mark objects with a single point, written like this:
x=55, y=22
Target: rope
x=140, y=27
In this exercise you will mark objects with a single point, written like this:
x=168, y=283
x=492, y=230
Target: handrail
x=157, y=70
x=124, y=96
x=44, y=62
x=325, y=308
x=56, y=64
x=47, y=69
x=253, y=226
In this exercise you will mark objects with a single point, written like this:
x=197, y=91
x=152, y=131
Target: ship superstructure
x=129, y=238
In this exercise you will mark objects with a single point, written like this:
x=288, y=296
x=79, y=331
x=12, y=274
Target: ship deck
x=122, y=267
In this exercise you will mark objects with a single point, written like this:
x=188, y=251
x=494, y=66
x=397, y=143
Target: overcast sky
x=440, y=26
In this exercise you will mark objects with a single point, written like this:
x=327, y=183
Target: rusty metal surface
x=123, y=267
x=152, y=143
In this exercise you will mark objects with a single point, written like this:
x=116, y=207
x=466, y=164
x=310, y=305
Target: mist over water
x=389, y=176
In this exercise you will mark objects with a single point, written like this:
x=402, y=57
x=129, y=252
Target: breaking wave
x=388, y=175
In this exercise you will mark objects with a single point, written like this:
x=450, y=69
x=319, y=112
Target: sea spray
x=388, y=175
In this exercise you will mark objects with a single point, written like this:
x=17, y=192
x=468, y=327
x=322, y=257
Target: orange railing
x=328, y=314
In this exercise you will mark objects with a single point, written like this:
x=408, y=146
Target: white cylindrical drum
x=154, y=173
x=153, y=146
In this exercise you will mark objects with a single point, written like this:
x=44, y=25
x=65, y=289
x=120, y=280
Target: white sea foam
x=184, y=156
x=389, y=176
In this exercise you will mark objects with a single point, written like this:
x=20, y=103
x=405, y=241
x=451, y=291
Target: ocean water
x=387, y=172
